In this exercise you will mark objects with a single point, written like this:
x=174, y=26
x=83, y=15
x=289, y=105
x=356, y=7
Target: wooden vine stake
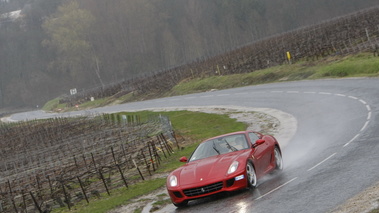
x=66, y=196
x=119, y=169
x=139, y=171
x=104, y=182
x=35, y=202
x=83, y=190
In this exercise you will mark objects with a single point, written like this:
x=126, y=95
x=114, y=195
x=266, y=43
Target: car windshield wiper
x=214, y=147
x=230, y=146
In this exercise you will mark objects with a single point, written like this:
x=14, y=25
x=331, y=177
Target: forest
x=53, y=46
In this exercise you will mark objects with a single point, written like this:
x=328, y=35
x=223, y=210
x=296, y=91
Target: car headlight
x=233, y=167
x=173, y=181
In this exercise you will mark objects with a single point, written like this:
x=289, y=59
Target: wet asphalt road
x=333, y=156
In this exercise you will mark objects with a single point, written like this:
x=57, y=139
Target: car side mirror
x=183, y=159
x=259, y=142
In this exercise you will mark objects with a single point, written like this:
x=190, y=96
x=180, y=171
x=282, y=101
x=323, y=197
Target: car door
x=261, y=154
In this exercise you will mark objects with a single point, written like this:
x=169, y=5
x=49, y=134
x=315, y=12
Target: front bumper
x=195, y=191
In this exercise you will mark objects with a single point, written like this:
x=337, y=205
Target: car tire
x=278, y=159
x=182, y=204
x=251, y=175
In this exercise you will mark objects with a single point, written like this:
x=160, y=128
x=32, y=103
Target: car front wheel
x=251, y=176
x=278, y=159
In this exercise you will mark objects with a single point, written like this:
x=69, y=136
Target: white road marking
x=368, y=107
x=277, y=188
x=369, y=115
x=324, y=93
x=341, y=95
x=322, y=161
x=364, y=126
x=363, y=102
x=355, y=137
x=352, y=97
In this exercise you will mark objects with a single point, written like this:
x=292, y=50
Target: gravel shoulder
x=364, y=202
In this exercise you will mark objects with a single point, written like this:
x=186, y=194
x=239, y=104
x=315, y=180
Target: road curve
x=332, y=157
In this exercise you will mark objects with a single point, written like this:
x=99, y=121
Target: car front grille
x=203, y=190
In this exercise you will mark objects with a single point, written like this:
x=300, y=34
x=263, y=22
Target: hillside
x=58, y=45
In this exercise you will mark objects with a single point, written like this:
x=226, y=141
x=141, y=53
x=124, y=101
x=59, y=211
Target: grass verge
x=360, y=65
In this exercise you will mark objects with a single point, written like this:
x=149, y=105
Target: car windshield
x=218, y=146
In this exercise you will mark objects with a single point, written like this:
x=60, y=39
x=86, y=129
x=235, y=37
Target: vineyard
x=344, y=35
x=57, y=162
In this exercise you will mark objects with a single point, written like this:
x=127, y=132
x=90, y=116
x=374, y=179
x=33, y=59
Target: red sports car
x=224, y=163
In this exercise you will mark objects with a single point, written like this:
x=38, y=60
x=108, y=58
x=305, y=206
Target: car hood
x=208, y=169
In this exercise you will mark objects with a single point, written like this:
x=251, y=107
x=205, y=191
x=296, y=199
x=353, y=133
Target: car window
x=218, y=146
x=253, y=137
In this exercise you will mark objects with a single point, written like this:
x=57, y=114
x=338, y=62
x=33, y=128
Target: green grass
x=94, y=103
x=53, y=105
x=197, y=125
x=360, y=65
